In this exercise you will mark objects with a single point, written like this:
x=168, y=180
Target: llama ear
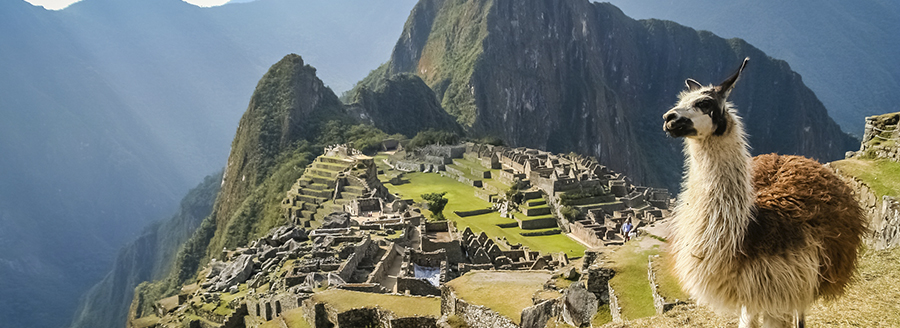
x=692, y=84
x=724, y=89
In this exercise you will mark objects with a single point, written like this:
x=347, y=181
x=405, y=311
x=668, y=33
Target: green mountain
x=402, y=104
x=581, y=76
x=290, y=110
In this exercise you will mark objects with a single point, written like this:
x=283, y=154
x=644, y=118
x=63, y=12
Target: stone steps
x=317, y=179
x=316, y=193
x=355, y=189
x=331, y=166
x=313, y=199
x=537, y=211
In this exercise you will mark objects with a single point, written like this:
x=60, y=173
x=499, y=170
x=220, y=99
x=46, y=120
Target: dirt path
x=659, y=229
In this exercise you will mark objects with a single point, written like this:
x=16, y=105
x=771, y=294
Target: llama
x=766, y=236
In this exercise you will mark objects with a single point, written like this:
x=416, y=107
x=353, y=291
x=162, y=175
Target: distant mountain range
x=112, y=109
x=845, y=50
x=584, y=77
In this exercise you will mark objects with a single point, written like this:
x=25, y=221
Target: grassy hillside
x=883, y=176
x=870, y=301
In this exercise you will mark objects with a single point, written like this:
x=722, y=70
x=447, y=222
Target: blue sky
x=60, y=4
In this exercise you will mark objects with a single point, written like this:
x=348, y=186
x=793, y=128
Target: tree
x=436, y=203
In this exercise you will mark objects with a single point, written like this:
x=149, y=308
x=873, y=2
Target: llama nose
x=670, y=116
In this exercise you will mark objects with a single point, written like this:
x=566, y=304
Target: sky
x=60, y=4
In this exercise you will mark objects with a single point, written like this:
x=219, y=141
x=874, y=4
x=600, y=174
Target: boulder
x=536, y=316
x=570, y=274
x=215, y=268
x=235, y=273
x=293, y=233
x=579, y=305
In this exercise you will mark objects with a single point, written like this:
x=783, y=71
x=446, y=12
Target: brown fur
x=800, y=203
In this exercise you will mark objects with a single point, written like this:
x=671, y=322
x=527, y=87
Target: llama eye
x=705, y=105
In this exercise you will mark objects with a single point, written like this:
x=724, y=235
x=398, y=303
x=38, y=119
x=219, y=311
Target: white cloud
x=206, y=3
x=60, y=4
x=52, y=4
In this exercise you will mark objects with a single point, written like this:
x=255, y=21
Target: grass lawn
x=293, y=318
x=870, y=301
x=506, y=292
x=669, y=287
x=462, y=198
x=883, y=176
x=401, y=306
x=631, y=283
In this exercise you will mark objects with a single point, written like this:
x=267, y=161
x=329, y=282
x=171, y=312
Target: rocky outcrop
x=336, y=220
x=883, y=214
x=579, y=305
x=580, y=76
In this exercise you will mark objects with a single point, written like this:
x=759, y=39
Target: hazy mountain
x=112, y=110
x=146, y=258
x=845, y=50
x=580, y=76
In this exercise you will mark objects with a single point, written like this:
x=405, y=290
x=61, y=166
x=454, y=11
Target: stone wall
x=585, y=231
x=472, y=315
x=474, y=212
x=882, y=137
x=536, y=316
x=537, y=223
x=661, y=304
x=414, y=322
x=416, y=286
x=614, y=308
x=489, y=194
x=321, y=315
x=883, y=214
x=378, y=274
x=409, y=166
x=364, y=249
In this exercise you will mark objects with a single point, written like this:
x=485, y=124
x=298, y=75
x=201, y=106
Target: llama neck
x=719, y=196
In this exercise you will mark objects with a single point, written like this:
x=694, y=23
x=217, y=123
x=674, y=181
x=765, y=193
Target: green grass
x=630, y=282
x=505, y=292
x=870, y=301
x=465, y=172
x=602, y=317
x=668, y=286
x=883, y=176
x=148, y=321
x=462, y=198
x=293, y=318
x=401, y=306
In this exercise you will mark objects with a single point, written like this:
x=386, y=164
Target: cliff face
x=402, y=104
x=580, y=76
x=148, y=257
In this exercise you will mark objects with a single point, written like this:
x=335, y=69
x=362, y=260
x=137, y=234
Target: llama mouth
x=679, y=128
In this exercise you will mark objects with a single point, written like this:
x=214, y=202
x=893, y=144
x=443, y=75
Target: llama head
x=702, y=111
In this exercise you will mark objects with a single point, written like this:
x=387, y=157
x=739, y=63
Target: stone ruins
x=347, y=232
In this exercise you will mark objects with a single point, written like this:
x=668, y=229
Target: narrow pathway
x=390, y=277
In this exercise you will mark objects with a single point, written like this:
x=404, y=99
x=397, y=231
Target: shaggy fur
x=764, y=236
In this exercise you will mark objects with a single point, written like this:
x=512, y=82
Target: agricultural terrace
x=462, y=198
